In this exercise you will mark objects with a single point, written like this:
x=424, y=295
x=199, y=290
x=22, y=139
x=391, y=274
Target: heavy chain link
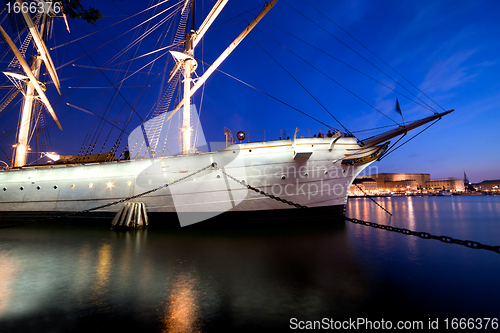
x=425, y=235
x=114, y=202
x=143, y=193
x=242, y=183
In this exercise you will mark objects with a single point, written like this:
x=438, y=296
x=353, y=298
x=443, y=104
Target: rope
x=383, y=62
x=327, y=76
x=357, y=53
x=387, y=152
x=351, y=67
x=275, y=98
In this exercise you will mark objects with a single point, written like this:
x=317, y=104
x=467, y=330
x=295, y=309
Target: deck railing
x=280, y=134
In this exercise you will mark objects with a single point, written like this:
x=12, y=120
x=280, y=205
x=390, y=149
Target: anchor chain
x=143, y=193
x=271, y=196
x=425, y=235
x=114, y=202
x=388, y=212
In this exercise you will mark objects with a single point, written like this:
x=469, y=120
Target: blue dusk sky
x=354, y=57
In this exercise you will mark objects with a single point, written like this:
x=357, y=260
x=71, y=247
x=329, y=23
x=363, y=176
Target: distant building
x=489, y=185
x=451, y=184
x=400, y=181
x=362, y=186
x=401, y=185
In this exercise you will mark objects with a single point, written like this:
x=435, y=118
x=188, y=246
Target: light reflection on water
x=182, y=311
x=80, y=279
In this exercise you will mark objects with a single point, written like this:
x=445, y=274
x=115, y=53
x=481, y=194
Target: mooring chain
x=242, y=183
x=117, y=201
x=140, y=194
x=425, y=235
x=369, y=197
x=143, y=193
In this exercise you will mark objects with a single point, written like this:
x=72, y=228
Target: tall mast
x=187, y=128
x=22, y=146
x=193, y=39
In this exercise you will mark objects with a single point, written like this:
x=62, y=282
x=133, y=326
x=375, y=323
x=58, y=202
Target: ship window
x=38, y=187
x=5, y=189
x=21, y=188
x=55, y=187
x=72, y=185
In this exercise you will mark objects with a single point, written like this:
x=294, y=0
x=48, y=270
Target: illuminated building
x=489, y=185
x=400, y=180
x=452, y=184
x=362, y=186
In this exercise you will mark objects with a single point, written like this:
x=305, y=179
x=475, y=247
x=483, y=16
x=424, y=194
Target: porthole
x=218, y=176
x=326, y=172
x=306, y=174
x=5, y=189
x=38, y=187
x=90, y=185
x=21, y=188
x=55, y=187
x=72, y=186
x=283, y=177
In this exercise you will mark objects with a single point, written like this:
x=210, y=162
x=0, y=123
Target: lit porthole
x=91, y=185
x=129, y=183
x=72, y=186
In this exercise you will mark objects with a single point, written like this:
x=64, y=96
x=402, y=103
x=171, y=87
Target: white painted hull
x=314, y=179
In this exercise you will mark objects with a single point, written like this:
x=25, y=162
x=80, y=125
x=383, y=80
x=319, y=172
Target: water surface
x=65, y=278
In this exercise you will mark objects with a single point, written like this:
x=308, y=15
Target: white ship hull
x=307, y=172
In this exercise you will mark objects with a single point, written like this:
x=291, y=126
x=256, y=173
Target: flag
x=398, y=108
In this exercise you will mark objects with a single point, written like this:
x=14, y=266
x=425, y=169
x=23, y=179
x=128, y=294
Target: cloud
x=449, y=73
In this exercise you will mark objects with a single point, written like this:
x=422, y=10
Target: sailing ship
x=296, y=175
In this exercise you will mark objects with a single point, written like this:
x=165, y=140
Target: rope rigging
x=387, y=152
x=345, y=64
x=357, y=53
x=273, y=97
x=97, y=127
x=401, y=75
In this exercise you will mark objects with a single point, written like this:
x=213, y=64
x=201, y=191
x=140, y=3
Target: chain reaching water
x=425, y=235
x=369, y=197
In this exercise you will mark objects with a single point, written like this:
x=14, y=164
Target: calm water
x=93, y=279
